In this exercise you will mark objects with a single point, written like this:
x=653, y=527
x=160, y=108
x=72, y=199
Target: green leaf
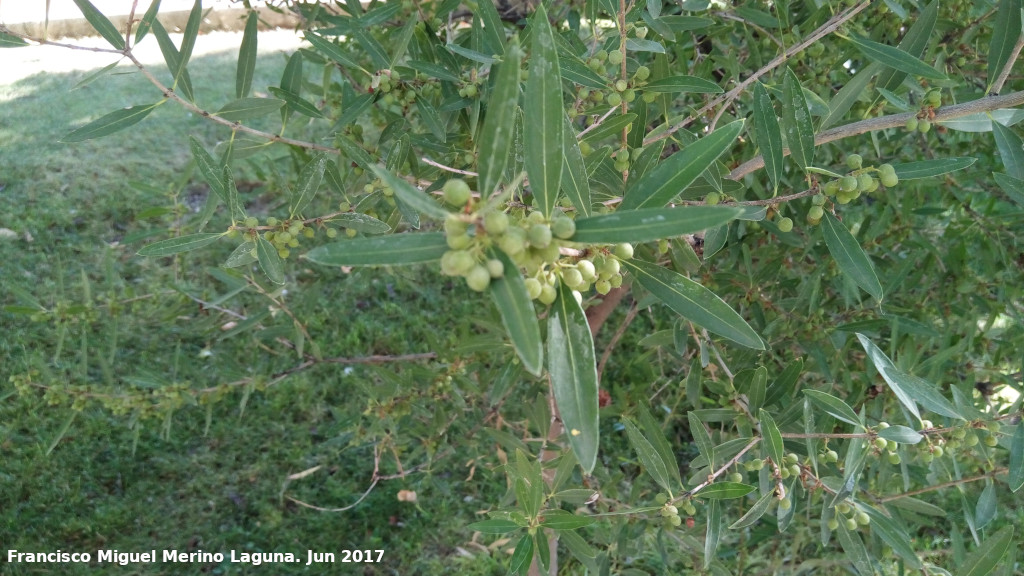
x=494, y=526
x=333, y=51
x=247, y=57
x=208, y=168
x=701, y=437
x=768, y=134
x=522, y=555
x=245, y=108
x=914, y=43
x=231, y=194
x=985, y=559
x=93, y=76
x=755, y=512
x=310, y=177
x=930, y=168
x=1013, y=187
x=1006, y=30
x=651, y=223
x=563, y=520
x=543, y=106
x=688, y=84
x=172, y=58
x=909, y=389
x=147, y=21
x=640, y=45
x=575, y=181
x=573, y=370
x=188, y=38
x=796, y=121
x=660, y=444
x=833, y=406
x=499, y=124
x=433, y=120
x=101, y=24
x=855, y=550
x=610, y=128
x=714, y=533
x=180, y=244
x=771, y=438
x=678, y=171
x=1011, y=150
x=982, y=121
x=849, y=94
x=430, y=69
x=372, y=47
x=416, y=199
x=517, y=314
x=695, y=302
x=361, y=223
x=110, y=123
x=11, y=41
x=577, y=72
x=725, y=491
x=296, y=103
x=270, y=260
x=241, y=256
x=894, y=535
x=396, y=249
x=1015, y=476
x=895, y=58
x=649, y=457
x=918, y=506
x=986, y=509
x=901, y=434
x=849, y=256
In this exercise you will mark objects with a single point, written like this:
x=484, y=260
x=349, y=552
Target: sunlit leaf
x=246, y=108
x=755, y=512
x=771, y=438
x=688, y=84
x=416, y=199
x=518, y=314
x=1006, y=30
x=110, y=123
x=1011, y=150
x=1015, y=476
x=499, y=124
x=930, y=168
x=651, y=223
x=543, y=106
x=247, y=57
x=649, y=457
x=308, y=183
x=101, y=24
x=725, y=491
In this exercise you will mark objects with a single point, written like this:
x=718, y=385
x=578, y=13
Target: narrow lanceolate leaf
x=895, y=58
x=180, y=244
x=796, y=121
x=849, y=256
x=518, y=315
x=361, y=223
x=310, y=177
x=183, y=82
x=494, y=526
x=914, y=42
x=1013, y=187
x=694, y=302
x=725, y=491
x=833, y=406
x=416, y=199
x=1006, y=29
x=985, y=559
x=332, y=51
x=391, y=250
x=907, y=387
x=499, y=124
x=690, y=84
x=771, y=438
x=678, y=171
x=901, y=434
x=930, y=168
x=651, y=223
x=855, y=550
x=270, y=260
x=543, y=107
x=208, y=168
x=755, y=512
x=147, y=21
x=660, y=444
x=768, y=134
x=101, y=24
x=188, y=37
x=1015, y=476
x=245, y=108
x=894, y=535
x=701, y=437
x=522, y=555
x=247, y=57
x=612, y=127
x=573, y=370
x=1011, y=150
x=649, y=457
x=564, y=520
x=296, y=103
x=714, y=534
x=110, y=123
x=11, y=41
x=575, y=181
x=848, y=95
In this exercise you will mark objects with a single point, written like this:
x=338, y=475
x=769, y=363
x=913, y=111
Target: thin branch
x=745, y=22
x=891, y=121
x=1001, y=79
x=615, y=338
x=426, y=160
x=725, y=467
x=934, y=487
x=598, y=122
x=827, y=28
x=373, y=483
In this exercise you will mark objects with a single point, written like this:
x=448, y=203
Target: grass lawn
x=213, y=477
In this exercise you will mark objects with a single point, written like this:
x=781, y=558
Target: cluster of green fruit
x=964, y=436
x=852, y=517
x=889, y=446
x=670, y=512
x=534, y=243
x=283, y=235
x=922, y=122
x=859, y=180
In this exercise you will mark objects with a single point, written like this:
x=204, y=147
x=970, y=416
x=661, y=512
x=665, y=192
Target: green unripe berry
x=471, y=91
x=539, y=235
x=661, y=498
x=572, y=278
x=642, y=73
x=889, y=180
x=790, y=458
x=815, y=212
x=332, y=233
x=843, y=508
x=585, y=149
x=927, y=457
x=863, y=519
x=641, y=32
x=937, y=451
x=283, y=252
x=894, y=458
x=832, y=456
x=456, y=262
x=547, y=294
x=971, y=440
x=458, y=242
x=830, y=188
x=854, y=161
x=496, y=223
x=614, y=99
x=712, y=198
x=959, y=433
x=736, y=477
x=496, y=268
x=623, y=251
x=615, y=281
x=993, y=426
x=675, y=521
x=272, y=221
x=563, y=227
x=865, y=182
x=785, y=504
x=833, y=524
x=293, y=243
x=456, y=192
x=587, y=270
x=595, y=64
x=513, y=242
x=991, y=441
x=848, y=184
x=251, y=222
x=601, y=55
x=785, y=225
x=690, y=509
x=478, y=278
x=615, y=57
x=881, y=443
x=818, y=199
x=535, y=218
x=609, y=267
x=621, y=166
x=629, y=95
x=455, y=226
x=891, y=445
x=649, y=97
x=283, y=237
x=851, y=524
x=924, y=126
x=621, y=85
x=795, y=469
x=603, y=287
x=533, y=288
x=911, y=124
x=351, y=233
x=308, y=232
x=784, y=473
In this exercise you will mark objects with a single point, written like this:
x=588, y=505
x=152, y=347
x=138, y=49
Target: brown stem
x=934, y=487
x=1005, y=73
x=599, y=313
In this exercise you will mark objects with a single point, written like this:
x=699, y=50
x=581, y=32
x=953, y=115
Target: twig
x=426, y=160
x=827, y=28
x=735, y=18
x=598, y=122
x=711, y=477
x=373, y=483
x=1001, y=79
x=615, y=338
x=891, y=121
x=934, y=487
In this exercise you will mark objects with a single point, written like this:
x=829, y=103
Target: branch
x=711, y=477
x=891, y=121
x=1001, y=79
x=934, y=487
x=827, y=28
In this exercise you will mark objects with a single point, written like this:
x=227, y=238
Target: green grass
x=209, y=477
